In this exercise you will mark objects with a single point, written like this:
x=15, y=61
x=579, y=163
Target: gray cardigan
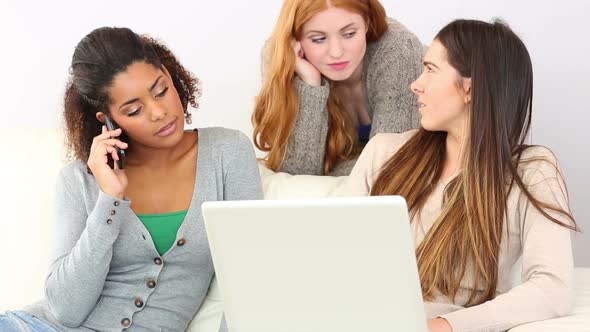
x=105, y=271
x=390, y=65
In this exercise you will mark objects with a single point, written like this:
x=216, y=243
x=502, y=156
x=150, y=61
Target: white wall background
x=220, y=41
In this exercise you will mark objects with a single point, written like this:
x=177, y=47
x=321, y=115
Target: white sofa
x=30, y=162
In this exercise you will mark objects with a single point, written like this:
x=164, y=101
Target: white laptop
x=329, y=265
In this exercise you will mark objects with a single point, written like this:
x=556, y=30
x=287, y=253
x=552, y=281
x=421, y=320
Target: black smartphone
x=111, y=125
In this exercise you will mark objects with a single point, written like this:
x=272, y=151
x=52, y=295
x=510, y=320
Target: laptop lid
x=333, y=264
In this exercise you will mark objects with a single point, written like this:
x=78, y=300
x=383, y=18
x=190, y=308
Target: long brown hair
x=277, y=104
x=467, y=234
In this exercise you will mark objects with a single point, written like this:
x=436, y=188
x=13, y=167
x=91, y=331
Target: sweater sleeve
x=358, y=183
x=547, y=265
x=395, y=64
x=242, y=179
x=307, y=145
x=368, y=166
x=83, y=248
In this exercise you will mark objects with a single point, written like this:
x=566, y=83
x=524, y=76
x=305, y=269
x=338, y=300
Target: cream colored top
x=544, y=288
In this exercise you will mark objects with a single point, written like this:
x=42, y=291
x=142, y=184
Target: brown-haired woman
x=131, y=251
x=335, y=73
x=480, y=198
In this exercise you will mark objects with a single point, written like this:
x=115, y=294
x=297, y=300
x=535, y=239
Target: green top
x=163, y=228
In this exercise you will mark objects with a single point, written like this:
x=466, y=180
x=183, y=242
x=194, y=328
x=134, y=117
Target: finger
x=108, y=149
x=112, y=142
x=115, y=159
x=105, y=149
x=109, y=134
x=115, y=142
x=98, y=153
x=122, y=145
x=114, y=133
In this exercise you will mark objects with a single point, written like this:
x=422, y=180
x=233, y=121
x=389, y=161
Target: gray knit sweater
x=106, y=274
x=390, y=65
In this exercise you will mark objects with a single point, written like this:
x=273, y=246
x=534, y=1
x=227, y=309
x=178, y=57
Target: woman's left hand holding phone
x=111, y=181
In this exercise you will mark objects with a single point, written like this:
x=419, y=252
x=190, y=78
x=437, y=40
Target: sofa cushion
x=208, y=318
x=286, y=186
x=579, y=320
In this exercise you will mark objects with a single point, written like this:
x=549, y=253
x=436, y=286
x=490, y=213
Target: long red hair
x=277, y=104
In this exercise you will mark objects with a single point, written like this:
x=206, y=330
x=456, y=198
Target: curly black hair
x=98, y=57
